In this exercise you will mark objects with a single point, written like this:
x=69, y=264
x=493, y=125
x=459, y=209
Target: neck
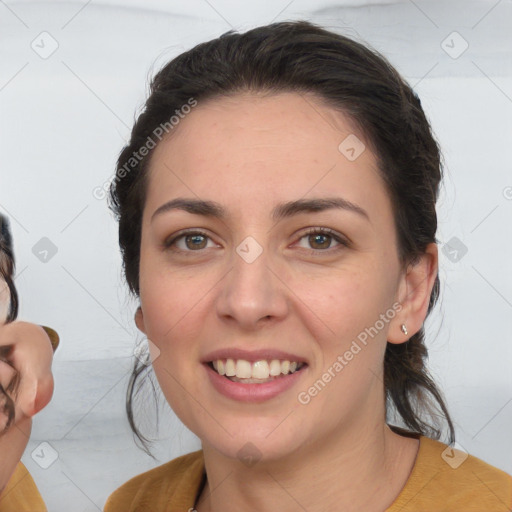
x=365, y=469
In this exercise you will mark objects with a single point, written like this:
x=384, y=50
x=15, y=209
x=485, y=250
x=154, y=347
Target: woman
x=277, y=220
x=285, y=224
x=26, y=385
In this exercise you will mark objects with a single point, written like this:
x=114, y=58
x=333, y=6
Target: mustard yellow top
x=21, y=494
x=434, y=485
x=437, y=483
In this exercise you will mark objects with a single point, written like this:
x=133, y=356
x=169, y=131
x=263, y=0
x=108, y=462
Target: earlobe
x=139, y=320
x=414, y=294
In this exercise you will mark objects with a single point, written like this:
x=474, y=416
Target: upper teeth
x=258, y=370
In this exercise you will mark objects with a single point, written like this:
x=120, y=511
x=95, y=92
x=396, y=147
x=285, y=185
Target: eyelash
x=343, y=243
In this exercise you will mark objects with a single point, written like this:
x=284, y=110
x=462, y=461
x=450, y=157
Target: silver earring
x=404, y=329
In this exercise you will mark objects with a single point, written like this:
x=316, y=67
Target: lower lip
x=252, y=392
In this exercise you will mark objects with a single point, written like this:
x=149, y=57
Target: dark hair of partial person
x=349, y=77
x=7, y=268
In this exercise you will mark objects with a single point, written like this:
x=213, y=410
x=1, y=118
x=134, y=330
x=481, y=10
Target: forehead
x=259, y=118
x=250, y=148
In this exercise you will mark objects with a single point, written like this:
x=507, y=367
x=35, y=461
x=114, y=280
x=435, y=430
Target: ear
x=413, y=294
x=139, y=320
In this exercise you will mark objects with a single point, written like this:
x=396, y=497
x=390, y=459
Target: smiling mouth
x=258, y=372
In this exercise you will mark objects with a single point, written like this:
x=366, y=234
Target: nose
x=252, y=294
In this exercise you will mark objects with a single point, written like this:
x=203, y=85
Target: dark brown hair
x=350, y=77
x=7, y=268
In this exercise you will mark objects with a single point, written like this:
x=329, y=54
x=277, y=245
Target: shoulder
x=21, y=493
x=445, y=478
x=176, y=482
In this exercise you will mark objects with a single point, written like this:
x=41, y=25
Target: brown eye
x=197, y=241
x=321, y=240
x=188, y=241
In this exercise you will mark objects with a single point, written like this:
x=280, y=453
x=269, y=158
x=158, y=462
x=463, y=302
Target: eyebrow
x=281, y=211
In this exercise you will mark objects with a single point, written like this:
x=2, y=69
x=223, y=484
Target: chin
x=250, y=445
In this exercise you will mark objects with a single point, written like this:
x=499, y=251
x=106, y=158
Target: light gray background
x=64, y=119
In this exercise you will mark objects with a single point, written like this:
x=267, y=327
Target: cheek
x=169, y=302
x=347, y=300
x=352, y=306
x=171, y=319
x=350, y=343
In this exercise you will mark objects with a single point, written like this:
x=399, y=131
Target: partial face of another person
x=256, y=275
x=5, y=300
x=5, y=294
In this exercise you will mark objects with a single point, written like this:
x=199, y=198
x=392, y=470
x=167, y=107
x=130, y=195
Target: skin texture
x=26, y=348
x=250, y=152
x=4, y=300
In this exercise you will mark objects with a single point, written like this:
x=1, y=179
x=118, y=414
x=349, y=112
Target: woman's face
x=260, y=283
